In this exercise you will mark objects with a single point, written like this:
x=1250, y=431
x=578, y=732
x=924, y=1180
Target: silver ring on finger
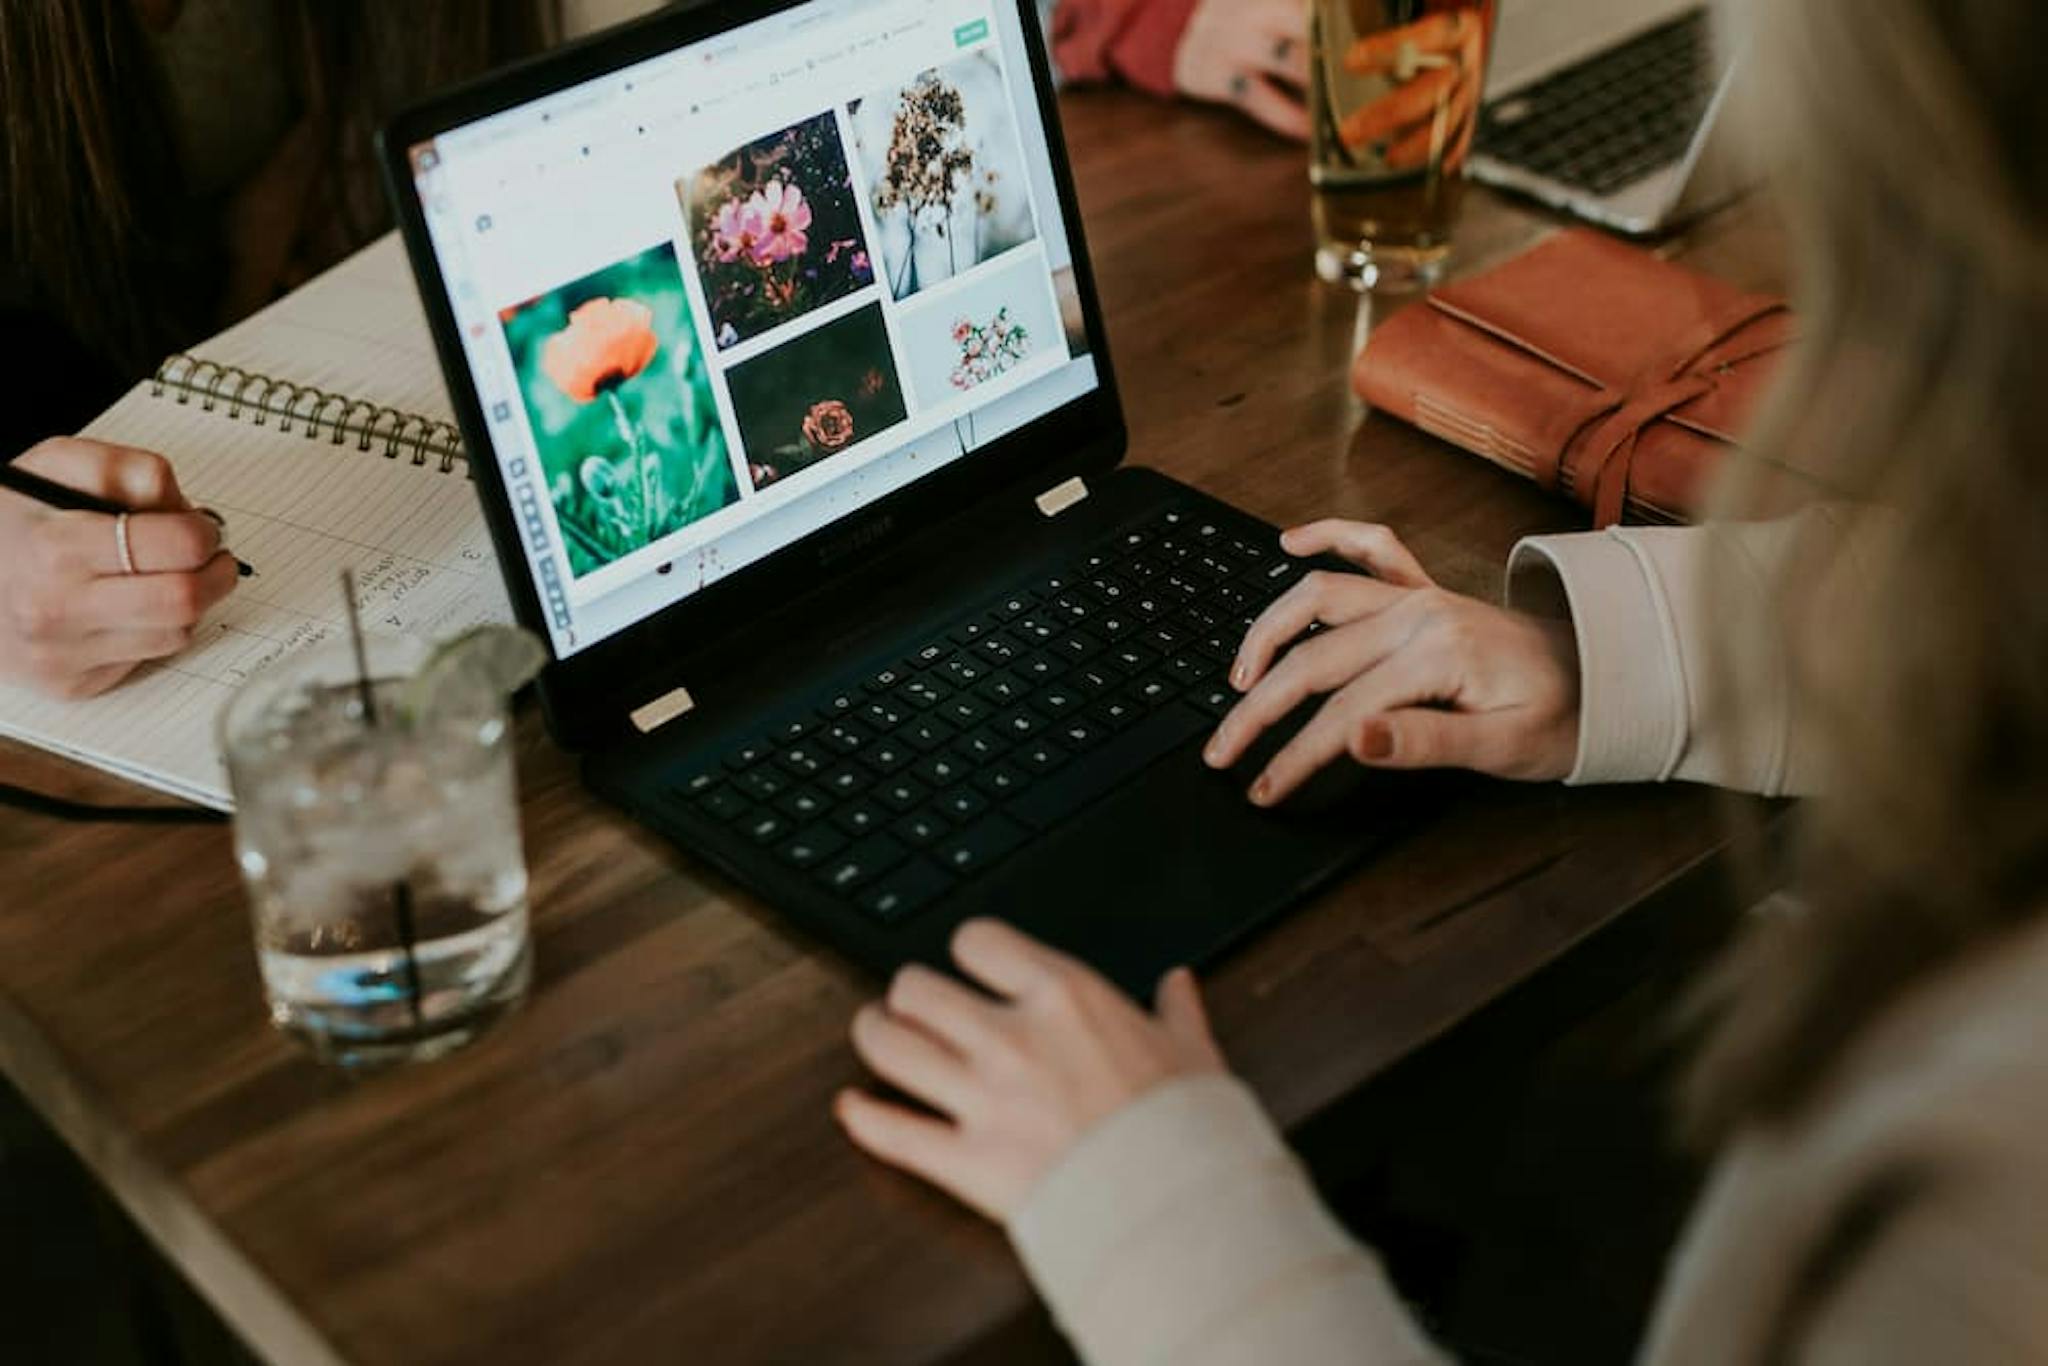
x=121, y=548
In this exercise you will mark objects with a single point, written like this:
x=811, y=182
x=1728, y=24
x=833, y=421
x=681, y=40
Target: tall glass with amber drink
x=1394, y=102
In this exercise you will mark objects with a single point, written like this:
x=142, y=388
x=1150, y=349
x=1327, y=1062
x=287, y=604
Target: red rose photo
x=822, y=393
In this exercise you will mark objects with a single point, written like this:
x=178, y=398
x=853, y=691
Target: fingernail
x=1262, y=791
x=245, y=569
x=215, y=517
x=1377, y=743
x=1240, y=674
x=1212, y=753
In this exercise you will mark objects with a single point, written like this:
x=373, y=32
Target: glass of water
x=383, y=861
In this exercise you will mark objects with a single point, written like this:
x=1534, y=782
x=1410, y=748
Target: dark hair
x=98, y=226
x=1913, y=172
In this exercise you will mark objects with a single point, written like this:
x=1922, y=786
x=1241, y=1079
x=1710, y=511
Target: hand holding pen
x=104, y=564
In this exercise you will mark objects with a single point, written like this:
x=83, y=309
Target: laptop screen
x=719, y=299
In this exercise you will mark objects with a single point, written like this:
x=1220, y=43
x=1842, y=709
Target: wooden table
x=640, y=1166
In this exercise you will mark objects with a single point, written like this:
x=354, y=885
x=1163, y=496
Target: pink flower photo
x=775, y=230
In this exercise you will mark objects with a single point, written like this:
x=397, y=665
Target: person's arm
x=1182, y=1229
x=1252, y=54
x=1151, y=1199
x=1648, y=608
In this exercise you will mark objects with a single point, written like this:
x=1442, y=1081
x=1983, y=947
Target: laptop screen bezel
x=587, y=696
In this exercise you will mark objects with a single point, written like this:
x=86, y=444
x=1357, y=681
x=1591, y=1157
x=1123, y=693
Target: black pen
x=67, y=499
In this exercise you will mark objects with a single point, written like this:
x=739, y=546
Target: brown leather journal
x=1594, y=367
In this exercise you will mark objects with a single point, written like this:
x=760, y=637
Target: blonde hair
x=1908, y=143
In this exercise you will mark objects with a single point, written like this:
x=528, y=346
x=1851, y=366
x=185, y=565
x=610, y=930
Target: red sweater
x=1134, y=40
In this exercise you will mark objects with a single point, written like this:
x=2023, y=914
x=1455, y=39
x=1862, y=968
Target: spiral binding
x=316, y=412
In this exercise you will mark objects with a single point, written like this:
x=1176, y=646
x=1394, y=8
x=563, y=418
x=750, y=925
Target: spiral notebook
x=320, y=430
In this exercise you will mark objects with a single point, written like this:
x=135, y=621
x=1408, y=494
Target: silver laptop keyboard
x=1608, y=121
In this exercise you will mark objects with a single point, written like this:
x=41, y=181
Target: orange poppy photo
x=618, y=395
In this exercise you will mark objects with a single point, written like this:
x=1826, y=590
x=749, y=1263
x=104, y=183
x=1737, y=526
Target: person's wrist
x=1561, y=750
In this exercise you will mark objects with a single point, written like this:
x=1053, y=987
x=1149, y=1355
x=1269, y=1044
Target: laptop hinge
x=662, y=710
x=1060, y=497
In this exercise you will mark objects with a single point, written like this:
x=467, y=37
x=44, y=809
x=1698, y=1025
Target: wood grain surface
x=640, y=1165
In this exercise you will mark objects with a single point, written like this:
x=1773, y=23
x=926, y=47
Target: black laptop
x=774, y=344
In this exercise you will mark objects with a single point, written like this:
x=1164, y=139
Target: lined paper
x=299, y=509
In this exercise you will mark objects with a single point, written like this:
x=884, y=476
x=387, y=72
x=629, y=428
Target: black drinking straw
x=401, y=890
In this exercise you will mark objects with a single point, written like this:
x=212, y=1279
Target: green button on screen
x=970, y=33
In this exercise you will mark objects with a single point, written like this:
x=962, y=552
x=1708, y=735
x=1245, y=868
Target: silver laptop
x=1608, y=109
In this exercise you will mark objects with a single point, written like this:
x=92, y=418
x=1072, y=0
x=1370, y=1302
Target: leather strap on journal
x=1595, y=368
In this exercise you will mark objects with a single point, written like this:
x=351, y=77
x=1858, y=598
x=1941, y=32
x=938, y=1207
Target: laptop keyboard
x=1614, y=118
x=896, y=786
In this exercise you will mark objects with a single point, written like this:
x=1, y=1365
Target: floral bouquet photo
x=620, y=403
x=776, y=230
x=815, y=397
x=988, y=349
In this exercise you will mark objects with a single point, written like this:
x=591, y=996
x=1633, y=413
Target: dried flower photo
x=620, y=402
x=818, y=395
x=776, y=230
x=944, y=172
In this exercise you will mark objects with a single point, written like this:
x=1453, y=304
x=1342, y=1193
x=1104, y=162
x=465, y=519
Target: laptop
x=1610, y=110
x=772, y=336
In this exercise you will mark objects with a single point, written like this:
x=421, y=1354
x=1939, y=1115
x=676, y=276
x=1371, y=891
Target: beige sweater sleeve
x=1182, y=1230
x=1643, y=602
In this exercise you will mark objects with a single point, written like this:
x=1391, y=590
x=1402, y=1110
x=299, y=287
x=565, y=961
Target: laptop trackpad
x=1170, y=868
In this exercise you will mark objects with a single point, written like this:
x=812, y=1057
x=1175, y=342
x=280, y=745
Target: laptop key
x=762, y=784
x=927, y=733
x=968, y=632
x=795, y=729
x=1019, y=723
x=1188, y=670
x=924, y=692
x=921, y=828
x=845, y=736
x=886, y=679
x=963, y=710
x=1151, y=692
x=855, y=867
x=697, y=784
x=1114, y=626
x=1001, y=688
x=839, y=704
x=805, y=761
x=964, y=670
x=1116, y=712
x=1016, y=605
x=940, y=770
x=981, y=746
x=804, y=804
x=845, y=780
x=997, y=650
x=1056, y=701
x=749, y=754
x=860, y=818
x=1216, y=698
x=722, y=804
x=981, y=845
x=883, y=715
x=764, y=827
x=1041, y=756
x=1000, y=781
x=962, y=804
x=886, y=756
x=928, y=655
x=810, y=847
x=1080, y=733
x=906, y=890
x=1077, y=647
x=901, y=793
x=1132, y=659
